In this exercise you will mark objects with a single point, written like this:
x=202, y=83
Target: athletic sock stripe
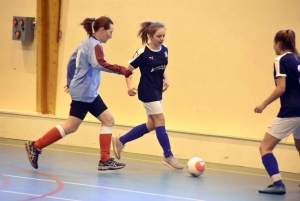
x=106, y=130
x=61, y=130
x=276, y=177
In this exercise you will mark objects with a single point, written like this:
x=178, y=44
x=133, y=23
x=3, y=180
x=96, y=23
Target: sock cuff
x=160, y=129
x=106, y=130
x=61, y=131
x=144, y=127
x=276, y=177
x=268, y=155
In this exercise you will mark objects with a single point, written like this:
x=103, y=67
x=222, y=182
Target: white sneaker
x=117, y=146
x=172, y=162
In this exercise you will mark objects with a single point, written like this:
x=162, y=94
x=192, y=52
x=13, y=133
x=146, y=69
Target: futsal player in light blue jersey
x=83, y=80
x=152, y=60
x=287, y=77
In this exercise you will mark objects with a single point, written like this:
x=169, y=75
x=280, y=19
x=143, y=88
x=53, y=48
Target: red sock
x=104, y=141
x=50, y=137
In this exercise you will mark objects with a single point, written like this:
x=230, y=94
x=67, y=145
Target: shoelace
x=113, y=163
x=175, y=159
x=35, y=153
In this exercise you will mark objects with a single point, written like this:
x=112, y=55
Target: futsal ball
x=196, y=166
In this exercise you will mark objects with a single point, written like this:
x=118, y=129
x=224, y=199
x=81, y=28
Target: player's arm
x=99, y=62
x=130, y=89
x=165, y=82
x=71, y=67
x=278, y=91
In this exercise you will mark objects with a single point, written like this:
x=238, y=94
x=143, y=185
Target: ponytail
x=288, y=41
x=87, y=25
x=291, y=37
x=143, y=32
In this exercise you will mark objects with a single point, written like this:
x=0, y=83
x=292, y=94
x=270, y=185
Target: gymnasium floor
x=70, y=173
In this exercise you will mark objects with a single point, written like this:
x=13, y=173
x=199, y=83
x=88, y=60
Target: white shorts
x=153, y=107
x=281, y=128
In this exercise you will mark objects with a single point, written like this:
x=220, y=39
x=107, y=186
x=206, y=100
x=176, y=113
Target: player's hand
x=131, y=91
x=66, y=88
x=165, y=85
x=259, y=108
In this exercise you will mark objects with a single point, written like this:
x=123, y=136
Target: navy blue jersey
x=152, y=64
x=286, y=65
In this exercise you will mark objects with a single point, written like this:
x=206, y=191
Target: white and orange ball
x=196, y=166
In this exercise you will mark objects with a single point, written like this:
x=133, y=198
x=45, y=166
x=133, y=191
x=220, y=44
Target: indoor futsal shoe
x=172, y=162
x=33, y=154
x=273, y=189
x=117, y=146
x=110, y=165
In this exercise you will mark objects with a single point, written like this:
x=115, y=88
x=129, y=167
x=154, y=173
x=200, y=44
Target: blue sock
x=271, y=166
x=134, y=133
x=163, y=139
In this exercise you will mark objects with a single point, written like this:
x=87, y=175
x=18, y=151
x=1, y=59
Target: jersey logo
x=162, y=67
x=151, y=57
x=166, y=54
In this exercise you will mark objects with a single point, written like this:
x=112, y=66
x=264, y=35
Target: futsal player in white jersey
x=287, y=78
x=152, y=60
x=83, y=80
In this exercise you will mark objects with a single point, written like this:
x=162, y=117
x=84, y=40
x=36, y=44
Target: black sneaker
x=110, y=165
x=33, y=154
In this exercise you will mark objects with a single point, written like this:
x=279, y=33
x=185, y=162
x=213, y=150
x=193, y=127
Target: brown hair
x=102, y=21
x=148, y=28
x=287, y=38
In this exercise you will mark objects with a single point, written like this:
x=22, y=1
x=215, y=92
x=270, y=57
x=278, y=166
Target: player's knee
x=159, y=120
x=262, y=150
x=70, y=129
x=109, y=122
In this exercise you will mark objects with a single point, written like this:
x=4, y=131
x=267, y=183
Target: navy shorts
x=80, y=109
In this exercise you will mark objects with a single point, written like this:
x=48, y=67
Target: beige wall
x=220, y=55
x=221, y=60
x=18, y=60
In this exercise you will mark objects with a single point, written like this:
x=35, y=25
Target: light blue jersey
x=84, y=70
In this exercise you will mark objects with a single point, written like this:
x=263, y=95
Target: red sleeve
x=113, y=67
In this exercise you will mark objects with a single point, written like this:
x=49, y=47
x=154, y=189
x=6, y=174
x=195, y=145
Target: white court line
x=109, y=188
x=37, y=195
x=8, y=175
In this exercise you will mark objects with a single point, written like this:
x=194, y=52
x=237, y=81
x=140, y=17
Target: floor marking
x=59, y=187
x=109, y=188
x=37, y=195
x=8, y=175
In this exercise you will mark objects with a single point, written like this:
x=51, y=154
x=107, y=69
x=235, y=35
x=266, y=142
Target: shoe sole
x=28, y=155
x=274, y=193
x=109, y=168
x=167, y=164
x=114, y=143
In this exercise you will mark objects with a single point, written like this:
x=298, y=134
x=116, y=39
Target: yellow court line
x=236, y=172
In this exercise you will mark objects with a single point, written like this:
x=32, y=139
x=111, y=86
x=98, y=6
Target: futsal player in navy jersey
x=287, y=77
x=83, y=80
x=152, y=60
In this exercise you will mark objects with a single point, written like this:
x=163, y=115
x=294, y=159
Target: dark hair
x=287, y=38
x=148, y=28
x=102, y=21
